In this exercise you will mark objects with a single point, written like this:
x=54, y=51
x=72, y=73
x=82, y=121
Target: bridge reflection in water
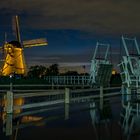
x=79, y=120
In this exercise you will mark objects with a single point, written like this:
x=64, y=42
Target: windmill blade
x=35, y=42
x=15, y=26
x=2, y=52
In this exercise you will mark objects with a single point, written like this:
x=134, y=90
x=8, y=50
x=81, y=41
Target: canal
x=83, y=121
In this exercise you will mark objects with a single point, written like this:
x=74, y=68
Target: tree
x=52, y=70
x=37, y=71
x=71, y=73
x=40, y=71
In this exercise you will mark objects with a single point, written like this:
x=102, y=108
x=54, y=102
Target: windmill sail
x=15, y=26
x=35, y=42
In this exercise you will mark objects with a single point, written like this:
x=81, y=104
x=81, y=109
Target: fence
x=52, y=100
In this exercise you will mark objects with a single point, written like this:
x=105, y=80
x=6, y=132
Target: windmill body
x=14, y=59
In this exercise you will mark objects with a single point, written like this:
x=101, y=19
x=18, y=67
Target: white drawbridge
x=101, y=67
x=130, y=75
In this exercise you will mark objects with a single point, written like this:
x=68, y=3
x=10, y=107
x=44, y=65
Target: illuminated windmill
x=14, y=62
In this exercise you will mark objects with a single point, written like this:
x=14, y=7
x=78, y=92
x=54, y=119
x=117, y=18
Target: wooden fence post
x=67, y=101
x=67, y=95
x=9, y=124
x=9, y=102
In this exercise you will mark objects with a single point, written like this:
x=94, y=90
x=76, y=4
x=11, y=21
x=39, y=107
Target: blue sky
x=72, y=27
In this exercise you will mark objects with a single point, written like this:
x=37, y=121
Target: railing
x=54, y=99
x=67, y=80
x=57, y=97
x=38, y=87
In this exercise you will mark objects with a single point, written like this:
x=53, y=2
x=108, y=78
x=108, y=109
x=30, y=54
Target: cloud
x=103, y=16
x=64, y=60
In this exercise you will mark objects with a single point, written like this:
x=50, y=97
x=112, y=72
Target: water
x=59, y=124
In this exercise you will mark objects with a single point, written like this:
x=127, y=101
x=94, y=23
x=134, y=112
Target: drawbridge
x=100, y=71
x=101, y=67
x=130, y=75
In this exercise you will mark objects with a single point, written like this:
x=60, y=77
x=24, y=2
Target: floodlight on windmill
x=14, y=61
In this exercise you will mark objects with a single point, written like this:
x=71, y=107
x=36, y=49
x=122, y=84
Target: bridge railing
x=67, y=80
x=53, y=97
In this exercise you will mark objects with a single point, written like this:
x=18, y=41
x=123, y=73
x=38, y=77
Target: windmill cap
x=15, y=43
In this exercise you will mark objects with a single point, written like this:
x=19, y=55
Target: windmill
x=14, y=61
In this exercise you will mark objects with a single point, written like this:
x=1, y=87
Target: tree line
x=39, y=71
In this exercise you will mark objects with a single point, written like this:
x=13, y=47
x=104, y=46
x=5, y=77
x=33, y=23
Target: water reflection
x=16, y=102
x=21, y=119
x=66, y=111
x=9, y=124
x=8, y=118
x=80, y=119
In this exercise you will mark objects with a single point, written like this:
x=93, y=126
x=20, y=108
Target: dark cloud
x=61, y=58
x=103, y=16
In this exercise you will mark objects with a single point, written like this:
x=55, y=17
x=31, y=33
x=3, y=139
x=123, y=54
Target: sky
x=72, y=27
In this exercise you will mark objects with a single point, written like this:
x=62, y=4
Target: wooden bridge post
x=67, y=95
x=101, y=98
x=9, y=111
x=11, y=86
x=9, y=124
x=9, y=102
x=67, y=101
